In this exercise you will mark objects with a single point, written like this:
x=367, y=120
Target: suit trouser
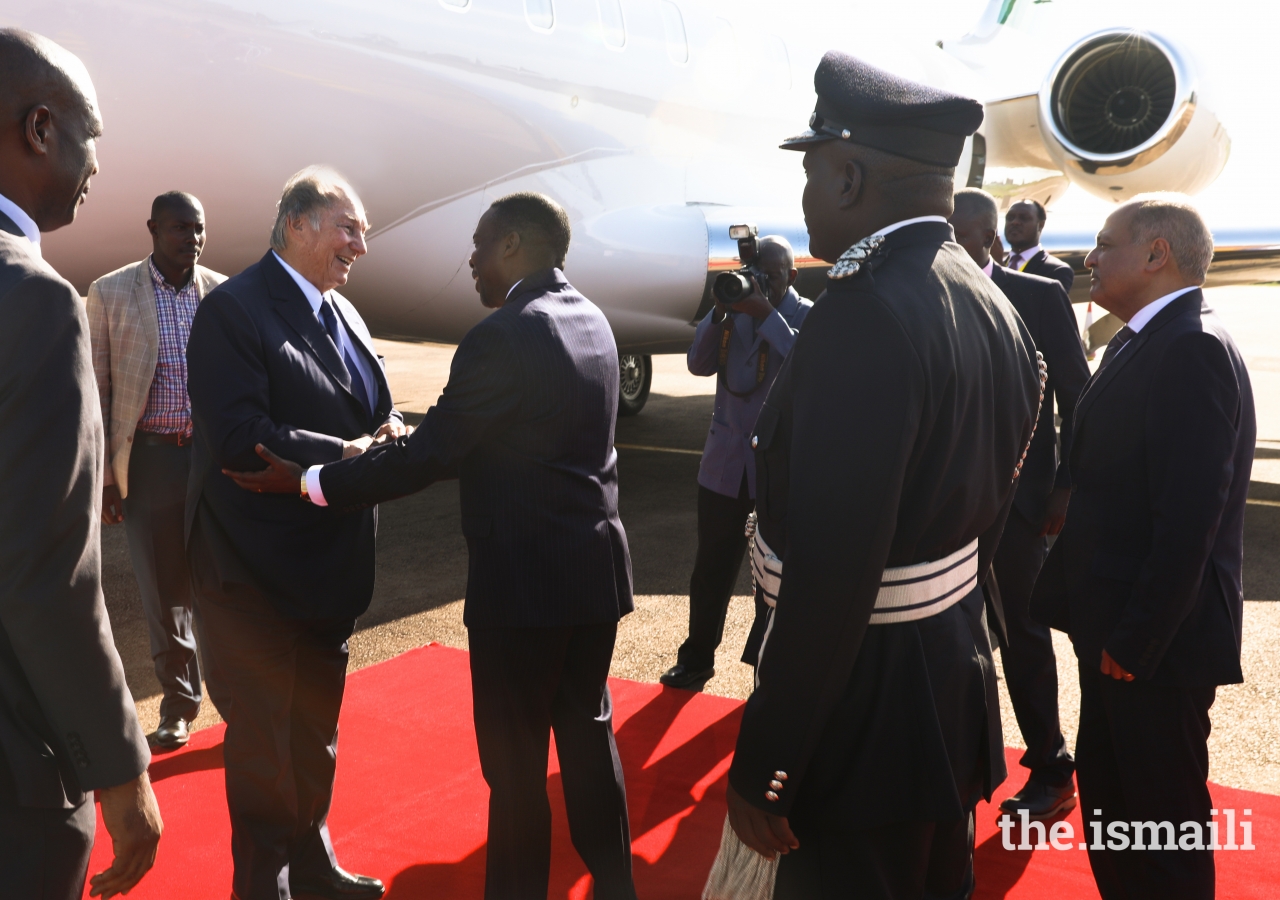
x=286, y=679
x=722, y=544
x=1030, y=667
x=894, y=861
x=44, y=853
x=153, y=520
x=1142, y=755
x=526, y=682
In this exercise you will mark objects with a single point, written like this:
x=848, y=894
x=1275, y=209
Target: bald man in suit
x=68, y=726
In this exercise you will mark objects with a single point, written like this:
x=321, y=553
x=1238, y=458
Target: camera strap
x=762, y=362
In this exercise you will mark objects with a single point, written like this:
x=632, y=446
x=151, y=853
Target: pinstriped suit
x=125, y=335
x=526, y=424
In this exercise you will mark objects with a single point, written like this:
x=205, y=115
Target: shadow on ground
x=422, y=557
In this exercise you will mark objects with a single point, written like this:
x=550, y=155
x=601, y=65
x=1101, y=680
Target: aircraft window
x=456, y=5
x=540, y=13
x=673, y=26
x=612, y=26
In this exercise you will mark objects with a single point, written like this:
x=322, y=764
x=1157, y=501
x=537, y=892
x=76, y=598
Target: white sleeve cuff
x=314, y=494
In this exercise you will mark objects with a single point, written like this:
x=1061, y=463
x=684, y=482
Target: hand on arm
x=132, y=818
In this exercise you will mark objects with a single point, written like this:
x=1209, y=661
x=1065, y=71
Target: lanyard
x=762, y=362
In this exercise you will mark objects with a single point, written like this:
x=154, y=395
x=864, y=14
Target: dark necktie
x=330, y=318
x=1122, y=337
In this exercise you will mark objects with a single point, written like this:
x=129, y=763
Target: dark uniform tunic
x=890, y=438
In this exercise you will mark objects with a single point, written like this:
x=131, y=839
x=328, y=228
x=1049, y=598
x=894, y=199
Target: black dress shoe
x=173, y=732
x=337, y=885
x=1041, y=801
x=678, y=676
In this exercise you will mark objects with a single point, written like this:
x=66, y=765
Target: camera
x=730, y=287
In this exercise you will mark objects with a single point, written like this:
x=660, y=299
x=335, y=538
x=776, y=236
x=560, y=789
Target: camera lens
x=730, y=287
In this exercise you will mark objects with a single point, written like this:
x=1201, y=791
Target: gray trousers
x=153, y=520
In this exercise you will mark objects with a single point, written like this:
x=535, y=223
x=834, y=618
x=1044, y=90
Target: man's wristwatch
x=303, y=490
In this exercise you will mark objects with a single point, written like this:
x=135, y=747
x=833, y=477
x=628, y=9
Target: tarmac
x=422, y=558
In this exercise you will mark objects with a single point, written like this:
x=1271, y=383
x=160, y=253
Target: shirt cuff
x=314, y=494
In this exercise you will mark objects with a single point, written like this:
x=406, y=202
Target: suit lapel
x=371, y=357
x=7, y=224
x=1098, y=383
x=293, y=307
x=144, y=302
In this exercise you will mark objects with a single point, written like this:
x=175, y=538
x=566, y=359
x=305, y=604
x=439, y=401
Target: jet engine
x=1123, y=112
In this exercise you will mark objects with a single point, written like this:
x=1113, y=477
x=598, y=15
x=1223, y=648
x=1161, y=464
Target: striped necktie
x=1121, y=337
x=330, y=318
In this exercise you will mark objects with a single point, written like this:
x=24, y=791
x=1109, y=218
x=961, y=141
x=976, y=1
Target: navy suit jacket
x=526, y=424
x=1047, y=266
x=1148, y=564
x=262, y=369
x=1043, y=305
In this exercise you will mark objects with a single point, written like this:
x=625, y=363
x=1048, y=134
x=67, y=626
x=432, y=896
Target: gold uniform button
x=776, y=785
x=771, y=796
x=755, y=441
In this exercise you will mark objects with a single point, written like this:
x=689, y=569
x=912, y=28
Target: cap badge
x=850, y=262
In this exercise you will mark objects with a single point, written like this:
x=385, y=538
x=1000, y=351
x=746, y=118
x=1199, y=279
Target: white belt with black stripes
x=907, y=593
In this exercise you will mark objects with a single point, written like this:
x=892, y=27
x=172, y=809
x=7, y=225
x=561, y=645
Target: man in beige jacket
x=139, y=320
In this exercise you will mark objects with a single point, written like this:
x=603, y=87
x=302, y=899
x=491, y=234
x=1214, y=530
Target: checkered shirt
x=168, y=409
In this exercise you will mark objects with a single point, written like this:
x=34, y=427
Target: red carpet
x=411, y=809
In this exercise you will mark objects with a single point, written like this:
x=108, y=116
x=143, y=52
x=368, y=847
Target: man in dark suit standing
x=1145, y=576
x=1039, y=509
x=526, y=424
x=1023, y=225
x=278, y=358
x=68, y=725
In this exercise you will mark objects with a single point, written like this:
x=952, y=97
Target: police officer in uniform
x=887, y=453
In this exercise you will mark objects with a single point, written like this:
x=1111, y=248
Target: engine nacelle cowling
x=1124, y=112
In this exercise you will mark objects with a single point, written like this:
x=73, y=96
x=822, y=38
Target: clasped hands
x=283, y=476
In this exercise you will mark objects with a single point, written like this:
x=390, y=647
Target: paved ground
x=422, y=557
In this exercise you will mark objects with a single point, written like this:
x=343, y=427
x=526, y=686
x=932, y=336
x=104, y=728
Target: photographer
x=743, y=345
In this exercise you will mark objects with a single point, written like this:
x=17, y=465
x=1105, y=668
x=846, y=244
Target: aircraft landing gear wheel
x=636, y=374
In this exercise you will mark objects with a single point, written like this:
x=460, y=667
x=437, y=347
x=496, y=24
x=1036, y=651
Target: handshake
x=282, y=476
x=390, y=431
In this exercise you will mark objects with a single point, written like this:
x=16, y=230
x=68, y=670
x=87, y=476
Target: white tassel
x=739, y=873
x=1088, y=324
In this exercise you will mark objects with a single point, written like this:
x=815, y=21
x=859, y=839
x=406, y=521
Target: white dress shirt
x=1023, y=257
x=22, y=220
x=905, y=222
x=345, y=344
x=989, y=267
x=1150, y=311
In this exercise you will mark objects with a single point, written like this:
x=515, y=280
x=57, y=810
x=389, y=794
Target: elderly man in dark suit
x=1145, y=576
x=68, y=726
x=1039, y=509
x=1023, y=225
x=278, y=358
x=526, y=424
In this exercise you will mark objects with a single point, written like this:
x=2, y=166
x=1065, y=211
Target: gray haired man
x=1145, y=576
x=278, y=359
